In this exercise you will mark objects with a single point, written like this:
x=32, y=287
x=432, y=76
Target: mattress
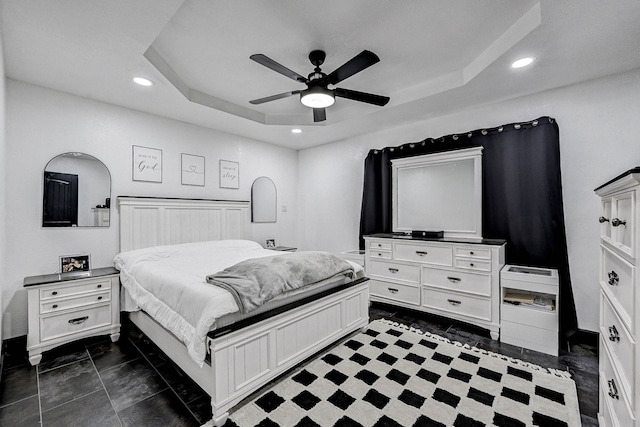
x=168, y=283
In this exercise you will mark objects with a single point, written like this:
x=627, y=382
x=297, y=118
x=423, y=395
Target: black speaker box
x=428, y=234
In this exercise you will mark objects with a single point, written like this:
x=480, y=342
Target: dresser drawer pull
x=471, y=264
x=379, y=254
x=99, y=298
x=613, y=334
x=99, y=286
x=379, y=245
x=55, y=305
x=393, y=290
x=454, y=302
x=421, y=253
x=79, y=320
x=603, y=219
x=454, y=279
x=393, y=270
x=613, y=390
x=614, y=279
x=617, y=222
x=54, y=293
x=470, y=252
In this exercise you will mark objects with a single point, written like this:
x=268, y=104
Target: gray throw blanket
x=255, y=281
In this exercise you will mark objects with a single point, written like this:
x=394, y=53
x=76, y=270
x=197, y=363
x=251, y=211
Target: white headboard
x=152, y=221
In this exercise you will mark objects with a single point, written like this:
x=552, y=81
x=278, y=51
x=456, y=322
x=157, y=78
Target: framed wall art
x=192, y=168
x=229, y=174
x=147, y=164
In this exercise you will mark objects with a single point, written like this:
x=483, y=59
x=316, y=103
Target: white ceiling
x=435, y=56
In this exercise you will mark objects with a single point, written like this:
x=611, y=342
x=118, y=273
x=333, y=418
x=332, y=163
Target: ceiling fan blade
x=356, y=64
x=270, y=63
x=319, y=114
x=274, y=97
x=369, y=98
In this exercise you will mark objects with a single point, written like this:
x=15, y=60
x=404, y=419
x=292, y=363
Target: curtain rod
x=484, y=131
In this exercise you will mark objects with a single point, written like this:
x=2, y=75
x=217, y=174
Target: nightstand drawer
x=74, y=289
x=374, y=246
x=73, y=322
x=64, y=304
x=380, y=254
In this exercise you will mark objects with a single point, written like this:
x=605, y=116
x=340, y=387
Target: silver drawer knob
x=613, y=390
x=613, y=334
x=614, y=279
x=617, y=222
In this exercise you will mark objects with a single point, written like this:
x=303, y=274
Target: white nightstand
x=67, y=307
x=283, y=248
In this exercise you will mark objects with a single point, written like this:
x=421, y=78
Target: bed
x=240, y=352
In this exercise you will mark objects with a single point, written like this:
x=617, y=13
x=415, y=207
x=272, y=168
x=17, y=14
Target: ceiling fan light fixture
x=317, y=97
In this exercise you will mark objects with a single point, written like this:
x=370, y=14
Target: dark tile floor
x=132, y=383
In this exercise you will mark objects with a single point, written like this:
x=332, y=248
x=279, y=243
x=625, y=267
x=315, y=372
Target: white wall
x=3, y=180
x=43, y=123
x=599, y=125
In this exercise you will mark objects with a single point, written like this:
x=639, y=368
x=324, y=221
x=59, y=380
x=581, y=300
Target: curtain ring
x=517, y=126
x=412, y=145
x=534, y=123
x=375, y=151
x=423, y=142
x=391, y=149
x=455, y=137
x=469, y=135
x=484, y=132
x=500, y=129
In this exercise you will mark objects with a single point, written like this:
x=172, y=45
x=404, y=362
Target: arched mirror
x=76, y=192
x=263, y=200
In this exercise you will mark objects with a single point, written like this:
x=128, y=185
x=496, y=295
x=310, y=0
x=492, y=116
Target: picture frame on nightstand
x=80, y=263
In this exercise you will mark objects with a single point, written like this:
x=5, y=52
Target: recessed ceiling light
x=522, y=62
x=142, y=81
x=296, y=130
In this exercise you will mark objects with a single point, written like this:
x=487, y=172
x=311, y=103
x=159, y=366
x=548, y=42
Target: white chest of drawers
x=66, y=308
x=458, y=278
x=619, y=319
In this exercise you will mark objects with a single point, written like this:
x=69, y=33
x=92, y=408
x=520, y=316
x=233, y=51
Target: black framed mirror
x=76, y=192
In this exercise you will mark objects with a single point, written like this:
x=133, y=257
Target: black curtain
x=521, y=195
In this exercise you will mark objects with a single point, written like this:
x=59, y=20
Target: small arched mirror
x=263, y=200
x=76, y=192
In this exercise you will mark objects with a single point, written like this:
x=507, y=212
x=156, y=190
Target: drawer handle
x=393, y=290
x=614, y=279
x=379, y=245
x=55, y=306
x=454, y=302
x=613, y=334
x=421, y=253
x=99, y=298
x=99, y=286
x=454, y=279
x=393, y=270
x=613, y=390
x=471, y=264
x=79, y=320
x=617, y=222
x=379, y=254
x=603, y=219
x=54, y=293
x=470, y=252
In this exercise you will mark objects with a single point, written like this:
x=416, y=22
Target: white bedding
x=157, y=279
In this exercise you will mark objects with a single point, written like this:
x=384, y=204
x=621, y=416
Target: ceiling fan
x=317, y=95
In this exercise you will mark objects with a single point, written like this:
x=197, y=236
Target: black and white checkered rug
x=393, y=376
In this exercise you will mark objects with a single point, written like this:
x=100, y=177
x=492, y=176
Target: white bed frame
x=246, y=359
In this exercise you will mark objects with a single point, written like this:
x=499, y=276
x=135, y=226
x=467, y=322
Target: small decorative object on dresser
x=64, y=307
x=619, y=310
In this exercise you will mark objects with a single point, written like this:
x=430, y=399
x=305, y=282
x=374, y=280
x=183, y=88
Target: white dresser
x=619, y=320
x=457, y=278
x=64, y=308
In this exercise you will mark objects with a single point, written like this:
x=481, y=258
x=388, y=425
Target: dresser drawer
x=610, y=390
x=376, y=245
x=472, y=264
x=470, y=252
x=73, y=322
x=620, y=344
x=542, y=319
x=73, y=289
x=464, y=305
x=379, y=254
x=617, y=279
x=457, y=280
x=393, y=271
x=50, y=306
x=395, y=291
x=438, y=255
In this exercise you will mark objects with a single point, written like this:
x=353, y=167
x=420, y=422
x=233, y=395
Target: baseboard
x=582, y=336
